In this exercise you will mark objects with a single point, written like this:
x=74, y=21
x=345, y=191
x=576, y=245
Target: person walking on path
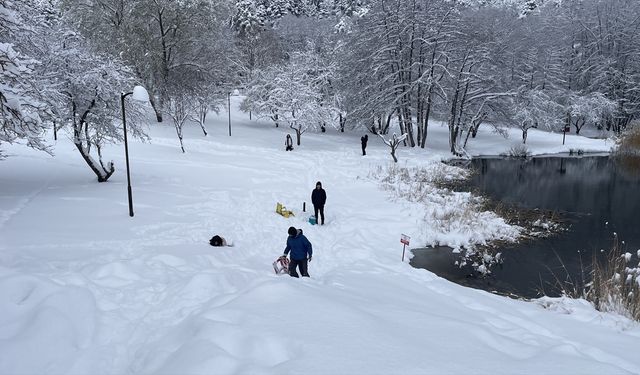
x=301, y=252
x=364, y=140
x=288, y=143
x=318, y=198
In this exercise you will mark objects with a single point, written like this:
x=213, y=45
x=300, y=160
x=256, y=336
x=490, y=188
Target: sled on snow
x=282, y=210
x=281, y=265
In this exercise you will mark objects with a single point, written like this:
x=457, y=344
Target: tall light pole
x=229, y=105
x=140, y=94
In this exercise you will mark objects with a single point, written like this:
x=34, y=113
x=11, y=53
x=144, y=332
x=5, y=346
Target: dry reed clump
x=627, y=155
x=616, y=282
x=629, y=143
x=614, y=285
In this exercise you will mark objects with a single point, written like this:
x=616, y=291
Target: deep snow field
x=85, y=289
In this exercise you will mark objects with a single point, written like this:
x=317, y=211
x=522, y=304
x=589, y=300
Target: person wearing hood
x=301, y=251
x=319, y=198
x=288, y=143
x=364, y=140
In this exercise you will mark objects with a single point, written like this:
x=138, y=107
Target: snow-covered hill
x=85, y=289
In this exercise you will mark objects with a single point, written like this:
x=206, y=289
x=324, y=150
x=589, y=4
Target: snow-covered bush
x=519, y=151
x=454, y=219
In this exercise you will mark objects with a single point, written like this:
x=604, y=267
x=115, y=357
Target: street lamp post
x=229, y=106
x=139, y=93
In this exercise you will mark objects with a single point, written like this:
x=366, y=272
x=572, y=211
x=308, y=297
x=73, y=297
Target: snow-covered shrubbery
x=519, y=151
x=454, y=219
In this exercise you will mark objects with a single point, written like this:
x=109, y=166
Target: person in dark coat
x=301, y=252
x=318, y=198
x=364, y=140
x=288, y=143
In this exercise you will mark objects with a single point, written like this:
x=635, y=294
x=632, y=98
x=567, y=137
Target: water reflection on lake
x=597, y=195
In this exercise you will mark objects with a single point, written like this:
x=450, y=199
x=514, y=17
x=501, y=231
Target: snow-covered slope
x=85, y=289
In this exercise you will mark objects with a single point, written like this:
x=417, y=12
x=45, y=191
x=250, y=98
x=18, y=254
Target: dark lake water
x=597, y=197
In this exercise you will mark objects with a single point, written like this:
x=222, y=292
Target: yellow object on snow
x=282, y=210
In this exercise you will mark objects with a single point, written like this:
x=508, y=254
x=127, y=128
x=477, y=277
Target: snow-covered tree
x=180, y=107
x=207, y=98
x=90, y=84
x=535, y=109
x=393, y=143
x=20, y=105
x=162, y=40
x=591, y=110
x=296, y=92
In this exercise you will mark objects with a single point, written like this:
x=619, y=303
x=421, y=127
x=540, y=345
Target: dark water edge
x=596, y=196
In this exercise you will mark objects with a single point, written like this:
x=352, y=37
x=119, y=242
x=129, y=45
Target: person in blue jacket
x=301, y=252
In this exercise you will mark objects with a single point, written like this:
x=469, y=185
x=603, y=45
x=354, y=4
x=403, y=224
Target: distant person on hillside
x=288, y=143
x=319, y=198
x=301, y=252
x=364, y=140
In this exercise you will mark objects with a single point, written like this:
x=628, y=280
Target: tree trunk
x=179, y=133
x=201, y=119
x=427, y=113
x=298, y=130
x=157, y=108
x=452, y=122
x=408, y=118
x=579, y=124
x=103, y=174
x=83, y=143
x=401, y=123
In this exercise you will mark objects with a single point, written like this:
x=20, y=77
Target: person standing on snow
x=288, y=143
x=318, y=198
x=301, y=252
x=364, y=140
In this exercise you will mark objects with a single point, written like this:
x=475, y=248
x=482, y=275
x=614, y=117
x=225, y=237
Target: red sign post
x=405, y=241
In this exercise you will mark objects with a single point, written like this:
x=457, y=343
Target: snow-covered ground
x=85, y=289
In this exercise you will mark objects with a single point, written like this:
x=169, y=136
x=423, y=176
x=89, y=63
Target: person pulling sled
x=301, y=251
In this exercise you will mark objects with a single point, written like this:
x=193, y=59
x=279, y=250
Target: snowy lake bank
x=592, y=210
